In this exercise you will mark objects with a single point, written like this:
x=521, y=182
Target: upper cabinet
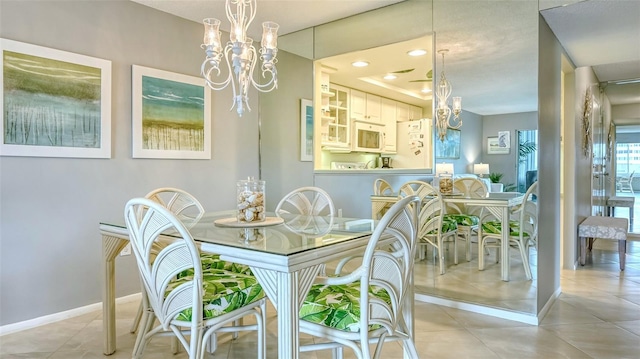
x=406, y=112
x=335, y=123
x=365, y=107
x=388, y=116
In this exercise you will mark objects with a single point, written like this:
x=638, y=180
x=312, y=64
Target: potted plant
x=495, y=178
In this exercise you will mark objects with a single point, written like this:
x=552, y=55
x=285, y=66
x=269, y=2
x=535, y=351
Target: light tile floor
x=597, y=316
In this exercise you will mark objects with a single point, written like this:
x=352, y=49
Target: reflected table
x=285, y=258
x=498, y=204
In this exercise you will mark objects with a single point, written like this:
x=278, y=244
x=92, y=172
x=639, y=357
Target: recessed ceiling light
x=390, y=77
x=360, y=64
x=417, y=52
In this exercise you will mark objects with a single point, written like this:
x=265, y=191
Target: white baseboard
x=494, y=312
x=549, y=303
x=56, y=317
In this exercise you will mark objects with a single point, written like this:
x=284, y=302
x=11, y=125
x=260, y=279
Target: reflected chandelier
x=443, y=111
x=240, y=54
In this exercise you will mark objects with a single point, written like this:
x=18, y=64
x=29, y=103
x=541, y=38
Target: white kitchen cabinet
x=415, y=112
x=402, y=112
x=365, y=107
x=335, y=118
x=388, y=116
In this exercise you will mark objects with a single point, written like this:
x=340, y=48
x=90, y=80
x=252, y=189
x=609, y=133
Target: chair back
x=430, y=217
x=382, y=187
x=532, y=192
x=179, y=202
x=389, y=266
x=416, y=188
x=312, y=201
x=469, y=187
x=528, y=221
x=146, y=221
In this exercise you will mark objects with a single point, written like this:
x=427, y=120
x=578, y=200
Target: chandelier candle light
x=239, y=53
x=443, y=111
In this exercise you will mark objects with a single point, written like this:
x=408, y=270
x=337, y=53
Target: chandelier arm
x=228, y=52
x=206, y=73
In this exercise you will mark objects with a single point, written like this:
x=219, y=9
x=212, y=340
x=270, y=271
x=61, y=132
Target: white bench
x=604, y=228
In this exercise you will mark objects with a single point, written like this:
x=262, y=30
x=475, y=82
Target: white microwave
x=368, y=137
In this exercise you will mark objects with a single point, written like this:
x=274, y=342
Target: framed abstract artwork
x=306, y=130
x=450, y=147
x=171, y=115
x=494, y=148
x=53, y=103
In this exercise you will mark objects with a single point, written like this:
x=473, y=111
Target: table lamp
x=444, y=168
x=481, y=169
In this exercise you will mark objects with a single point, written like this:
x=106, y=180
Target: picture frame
x=171, y=115
x=306, y=130
x=493, y=147
x=54, y=103
x=450, y=147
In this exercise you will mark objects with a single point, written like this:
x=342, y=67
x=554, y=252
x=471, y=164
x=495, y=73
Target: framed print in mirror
x=450, y=147
x=493, y=147
x=306, y=130
x=54, y=103
x=171, y=115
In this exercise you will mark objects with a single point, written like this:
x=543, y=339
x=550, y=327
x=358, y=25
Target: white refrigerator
x=414, y=144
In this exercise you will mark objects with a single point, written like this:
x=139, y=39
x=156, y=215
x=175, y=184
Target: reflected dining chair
x=523, y=230
x=189, y=302
x=381, y=187
x=624, y=184
x=435, y=228
x=368, y=305
x=466, y=217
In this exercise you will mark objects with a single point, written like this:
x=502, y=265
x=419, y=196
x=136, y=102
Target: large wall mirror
x=492, y=65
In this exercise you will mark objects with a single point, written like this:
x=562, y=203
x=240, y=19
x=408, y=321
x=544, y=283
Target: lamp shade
x=444, y=168
x=481, y=168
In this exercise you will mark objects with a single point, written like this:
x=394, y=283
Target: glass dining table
x=499, y=204
x=285, y=258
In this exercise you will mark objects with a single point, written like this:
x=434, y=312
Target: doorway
x=527, y=164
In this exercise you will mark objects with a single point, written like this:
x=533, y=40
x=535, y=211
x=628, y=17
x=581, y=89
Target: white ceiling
x=489, y=45
x=291, y=15
x=606, y=36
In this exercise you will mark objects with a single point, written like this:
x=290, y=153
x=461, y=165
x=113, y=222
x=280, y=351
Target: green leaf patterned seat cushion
x=464, y=219
x=224, y=291
x=495, y=227
x=338, y=306
x=213, y=261
x=448, y=225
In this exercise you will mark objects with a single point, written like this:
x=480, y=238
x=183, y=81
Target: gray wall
x=280, y=129
x=549, y=101
x=506, y=164
x=50, y=208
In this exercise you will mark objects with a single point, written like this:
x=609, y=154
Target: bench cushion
x=604, y=227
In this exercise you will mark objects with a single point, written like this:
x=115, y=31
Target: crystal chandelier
x=443, y=110
x=240, y=54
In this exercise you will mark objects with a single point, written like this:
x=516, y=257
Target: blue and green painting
x=308, y=136
x=50, y=102
x=172, y=115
